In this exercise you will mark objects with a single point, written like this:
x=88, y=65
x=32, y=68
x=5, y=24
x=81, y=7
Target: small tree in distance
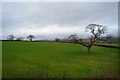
x=74, y=38
x=109, y=38
x=57, y=39
x=19, y=39
x=31, y=37
x=96, y=30
x=10, y=37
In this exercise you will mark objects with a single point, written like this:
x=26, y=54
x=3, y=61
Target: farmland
x=38, y=59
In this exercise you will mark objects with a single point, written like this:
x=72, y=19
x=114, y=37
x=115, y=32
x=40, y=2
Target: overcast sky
x=57, y=19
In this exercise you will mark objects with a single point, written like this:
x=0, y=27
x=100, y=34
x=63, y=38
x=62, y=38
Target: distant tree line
x=72, y=38
x=95, y=30
x=11, y=37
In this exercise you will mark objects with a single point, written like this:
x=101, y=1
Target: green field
x=51, y=59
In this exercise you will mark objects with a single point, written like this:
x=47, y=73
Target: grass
x=38, y=59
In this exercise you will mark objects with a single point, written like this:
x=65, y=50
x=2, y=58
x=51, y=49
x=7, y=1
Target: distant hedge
x=109, y=46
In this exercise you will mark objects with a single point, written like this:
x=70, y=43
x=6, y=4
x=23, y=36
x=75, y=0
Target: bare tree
x=74, y=38
x=10, y=37
x=96, y=30
x=57, y=39
x=31, y=37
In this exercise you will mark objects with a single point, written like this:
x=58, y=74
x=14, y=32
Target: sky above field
x=57, y=19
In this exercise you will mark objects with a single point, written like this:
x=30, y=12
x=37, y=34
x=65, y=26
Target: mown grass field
x=51, y=59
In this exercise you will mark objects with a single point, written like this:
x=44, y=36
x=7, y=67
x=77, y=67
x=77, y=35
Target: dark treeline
x=114, y=39
x=95, y=29
x=106, y=39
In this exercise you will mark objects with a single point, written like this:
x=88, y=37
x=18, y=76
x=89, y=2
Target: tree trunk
x=30, y=39
x=88, y=49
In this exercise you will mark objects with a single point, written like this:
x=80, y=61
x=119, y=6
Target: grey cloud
x=77, y=14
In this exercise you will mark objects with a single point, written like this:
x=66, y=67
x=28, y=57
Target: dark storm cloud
x=57, y=18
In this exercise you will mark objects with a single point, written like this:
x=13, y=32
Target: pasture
x=52, y=59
